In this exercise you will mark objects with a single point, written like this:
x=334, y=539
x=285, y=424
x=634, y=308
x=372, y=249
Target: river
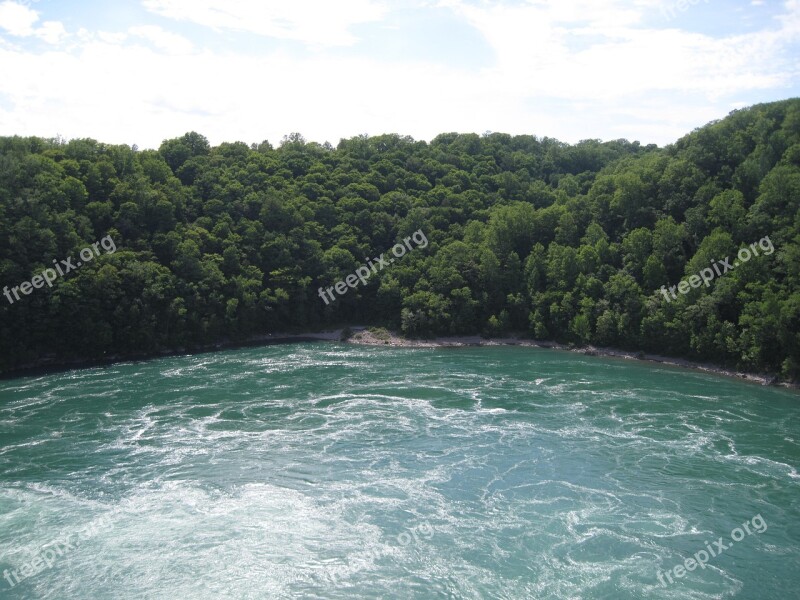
x=320, y=470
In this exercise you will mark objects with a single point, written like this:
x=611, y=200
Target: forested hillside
x=563, y=242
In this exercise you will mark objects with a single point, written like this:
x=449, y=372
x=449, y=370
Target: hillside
x=572, y=243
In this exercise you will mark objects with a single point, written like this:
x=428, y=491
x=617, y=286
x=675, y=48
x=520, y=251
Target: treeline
x=563, y=242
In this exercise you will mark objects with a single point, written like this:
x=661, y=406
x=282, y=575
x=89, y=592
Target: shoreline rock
x=367, y=337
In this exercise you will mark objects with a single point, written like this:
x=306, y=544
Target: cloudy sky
x=140, y=71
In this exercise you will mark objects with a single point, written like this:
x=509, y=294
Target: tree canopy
x=563, y=242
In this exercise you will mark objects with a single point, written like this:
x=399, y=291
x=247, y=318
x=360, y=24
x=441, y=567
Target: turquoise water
x=334, y=471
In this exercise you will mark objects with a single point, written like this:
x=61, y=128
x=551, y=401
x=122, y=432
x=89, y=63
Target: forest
x=553, y=241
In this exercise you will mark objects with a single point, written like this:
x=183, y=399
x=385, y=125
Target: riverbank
x=383, y=337
x=51, y=364
x=362, y=335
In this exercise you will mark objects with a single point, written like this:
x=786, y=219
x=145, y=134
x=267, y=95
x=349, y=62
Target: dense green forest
x=561, y=242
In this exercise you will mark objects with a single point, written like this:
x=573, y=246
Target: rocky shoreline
x=387, y=338
x=362, y=335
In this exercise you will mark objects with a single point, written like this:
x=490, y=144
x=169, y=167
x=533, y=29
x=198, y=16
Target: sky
x=141, y=71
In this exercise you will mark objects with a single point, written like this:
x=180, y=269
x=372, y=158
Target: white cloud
x=535, y=46
x=131, y=94
x=590, y=69
x=51, y=32
x=109, y=37
x=169, y=42
x=316, y=22
x=18, y=20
